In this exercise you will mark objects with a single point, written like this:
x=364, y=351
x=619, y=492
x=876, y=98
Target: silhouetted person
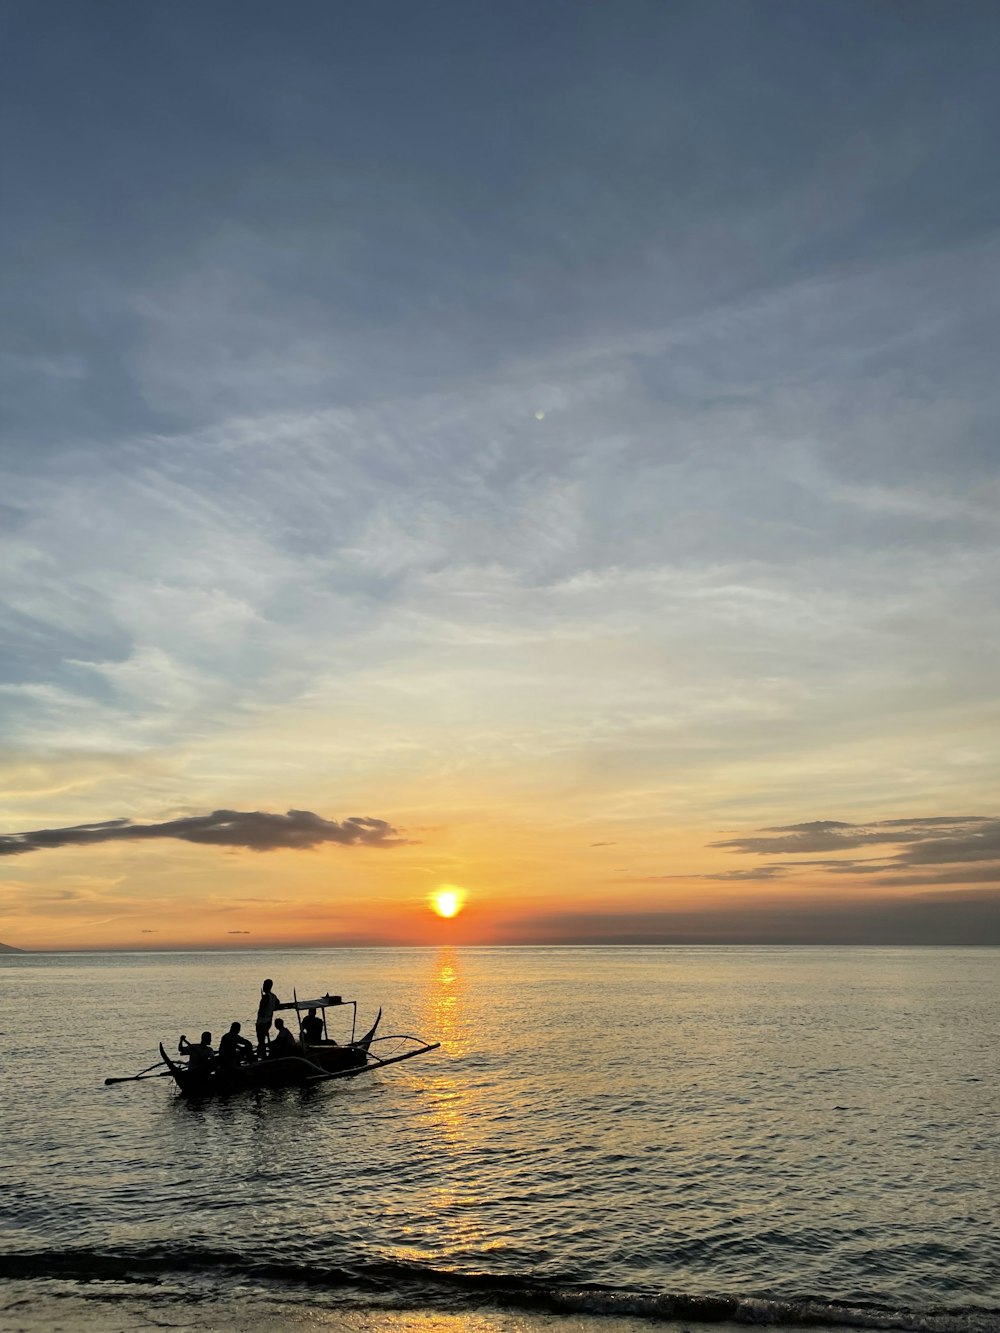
x=234, y=1049
x=284, y=1043
x=265, y=1013
x=312, y=1028
x=199, y=1054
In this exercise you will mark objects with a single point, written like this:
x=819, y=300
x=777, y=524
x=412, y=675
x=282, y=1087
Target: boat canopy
x=324, y=1002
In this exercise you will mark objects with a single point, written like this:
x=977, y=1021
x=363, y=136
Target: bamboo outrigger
x=314, y=1062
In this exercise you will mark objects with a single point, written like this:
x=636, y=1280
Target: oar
x=133, y=1078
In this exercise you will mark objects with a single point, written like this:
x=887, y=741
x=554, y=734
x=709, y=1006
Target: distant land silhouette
x=9, y=948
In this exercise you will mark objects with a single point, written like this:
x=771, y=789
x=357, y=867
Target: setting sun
x=448, y=901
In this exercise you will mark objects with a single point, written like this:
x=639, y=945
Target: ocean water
x=607, y=1138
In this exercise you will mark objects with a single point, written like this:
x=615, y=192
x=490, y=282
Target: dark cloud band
x=255, y=830
x=959, y=917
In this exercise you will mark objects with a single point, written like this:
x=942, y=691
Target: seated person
x=312, y=1028
x=199, y=1054
x=283, y=1043
x=234, y=1049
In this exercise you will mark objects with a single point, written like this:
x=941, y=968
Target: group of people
x=234, y=1049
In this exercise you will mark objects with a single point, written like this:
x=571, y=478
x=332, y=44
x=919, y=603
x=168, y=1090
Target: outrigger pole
x=143, y=1073
x=377, y=1063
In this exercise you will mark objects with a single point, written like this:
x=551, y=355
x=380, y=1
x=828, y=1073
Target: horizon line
x=14, y=950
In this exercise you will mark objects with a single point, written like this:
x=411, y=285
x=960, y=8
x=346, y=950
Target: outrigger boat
x=314, y=1062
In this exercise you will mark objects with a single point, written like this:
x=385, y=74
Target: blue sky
x=529, y=424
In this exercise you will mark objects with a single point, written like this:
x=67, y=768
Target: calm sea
x=607, y=1137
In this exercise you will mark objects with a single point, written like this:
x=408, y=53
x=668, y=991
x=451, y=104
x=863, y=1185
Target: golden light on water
x=448, y=900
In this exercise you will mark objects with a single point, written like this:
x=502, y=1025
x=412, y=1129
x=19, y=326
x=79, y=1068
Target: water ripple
x=665, y=1124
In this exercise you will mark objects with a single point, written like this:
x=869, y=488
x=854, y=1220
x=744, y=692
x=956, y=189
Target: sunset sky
x=544, y=448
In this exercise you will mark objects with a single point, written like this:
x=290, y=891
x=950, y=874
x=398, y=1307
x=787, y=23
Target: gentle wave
x=373, y=1281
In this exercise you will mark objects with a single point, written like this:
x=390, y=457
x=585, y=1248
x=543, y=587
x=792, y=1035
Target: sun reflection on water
x=443, y=1014
x=444, y=1003
x=453, y=1118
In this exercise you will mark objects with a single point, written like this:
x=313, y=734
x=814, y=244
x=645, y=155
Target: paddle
x=143, y=1073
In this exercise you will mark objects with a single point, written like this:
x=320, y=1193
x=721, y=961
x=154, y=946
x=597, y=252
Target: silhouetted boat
x=313, y=1061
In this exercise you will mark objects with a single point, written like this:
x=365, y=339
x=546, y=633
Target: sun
x=448, y=900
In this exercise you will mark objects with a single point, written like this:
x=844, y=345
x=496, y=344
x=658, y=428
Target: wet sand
x=59, y=1306
x=70, y=1307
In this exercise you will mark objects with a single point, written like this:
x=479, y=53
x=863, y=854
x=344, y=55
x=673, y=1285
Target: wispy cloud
x=639, y=468
x=942, y=838
x=255, y=830
x=956, y=849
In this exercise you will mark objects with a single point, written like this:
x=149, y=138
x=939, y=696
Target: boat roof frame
x=325, y=1002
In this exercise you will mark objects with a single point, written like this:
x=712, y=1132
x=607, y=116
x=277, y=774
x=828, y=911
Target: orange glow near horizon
x=638, y=885
x=447, y=901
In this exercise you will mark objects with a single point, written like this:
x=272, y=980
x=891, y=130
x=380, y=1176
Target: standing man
x=265, y=1013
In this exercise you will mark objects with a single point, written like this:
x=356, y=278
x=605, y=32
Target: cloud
x=934, y=850
x=761, y=872
x=979, y=843
x=948, y=837
x=278, y=483
x=727, y=876
x=253, y=829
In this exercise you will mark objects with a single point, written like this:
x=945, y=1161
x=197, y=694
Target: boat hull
x=314, y=1065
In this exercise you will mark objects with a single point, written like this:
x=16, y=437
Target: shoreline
x=59, y=1305
x=173, y=1301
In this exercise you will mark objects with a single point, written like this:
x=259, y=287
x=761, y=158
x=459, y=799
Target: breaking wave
x=375, y=1283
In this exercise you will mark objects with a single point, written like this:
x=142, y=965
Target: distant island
x=9, y=948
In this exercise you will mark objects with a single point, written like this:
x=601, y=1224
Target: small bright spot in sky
x=539, y=416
